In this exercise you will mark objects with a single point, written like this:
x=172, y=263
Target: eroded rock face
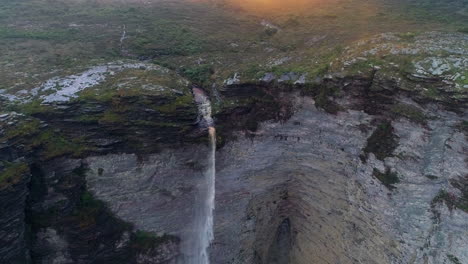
x=13, y=244
x=50, y=217
x=146, y=192
x=302, y=186
x=364, y=168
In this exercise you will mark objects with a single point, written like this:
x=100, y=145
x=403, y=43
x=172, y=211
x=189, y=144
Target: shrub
x=147, y=240
x=199, y=74
x=382, y=142
x=387, y=178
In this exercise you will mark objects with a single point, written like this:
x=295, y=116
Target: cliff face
x=301, y=186
x=49, y=215
x=13, y=242
x=365, y=165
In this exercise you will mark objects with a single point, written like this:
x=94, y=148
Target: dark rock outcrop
x=14, y=232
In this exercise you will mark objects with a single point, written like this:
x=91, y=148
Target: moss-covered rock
x=410, y=112
x=382, y=142
x=243, y=107
x=133, y=110
x=84, y=223
x=142, y=240
x=12, y=173
x=387, y=178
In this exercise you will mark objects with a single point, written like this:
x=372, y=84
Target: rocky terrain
x=359, y=158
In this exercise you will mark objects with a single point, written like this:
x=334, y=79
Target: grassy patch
x=54, y=145
x=463, y=80
x=12, y=33
x=200, y=74
x=432, y=92
x=387, y=178
x=165, y=38
x=42, y=140
x=12, y=173
x=88, y=210
x=410, y=112
x=179, y=102
x=110, y=117
x=134, y=83
x=365, y=66
x=407, y=36
x=253, y=72
x=34, y=107
x=147, y=240
x=26, y=128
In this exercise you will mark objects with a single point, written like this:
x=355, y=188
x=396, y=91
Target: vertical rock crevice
x=279, y=252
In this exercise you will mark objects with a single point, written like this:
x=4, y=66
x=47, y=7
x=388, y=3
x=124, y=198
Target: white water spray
x=203, y=222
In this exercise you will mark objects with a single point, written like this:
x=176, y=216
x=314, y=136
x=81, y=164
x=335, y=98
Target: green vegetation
x=179, y=102
x=110, y=117
x=387, y=178
x=435, y=11
x=33, y=108
x=25, y=128
x=453, y=259
x=166, y=38
x=365, y=66
x=382, y=142
x=131, y=83
x=410, y=112
x=322, y=100
x=52, y=145
x=12, y=33
x=445, y=197
x=463, y=80
x=432, y=92
x=12, y=173
x=88, y=210
x=407, y=36
x=48, y=143
x=41, y=37
x=463, y=30
x=253, y=72
x=312, y=71
x=147, y=240
x=431, y=177
x=199, y=74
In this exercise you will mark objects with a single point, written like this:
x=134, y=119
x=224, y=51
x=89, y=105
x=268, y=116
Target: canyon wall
x=368, y=167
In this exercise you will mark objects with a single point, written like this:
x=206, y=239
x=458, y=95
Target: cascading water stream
x=203, y=222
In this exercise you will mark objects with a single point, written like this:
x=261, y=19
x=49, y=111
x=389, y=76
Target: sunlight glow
x=276, y=6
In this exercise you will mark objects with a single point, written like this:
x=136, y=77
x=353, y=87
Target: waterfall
x=205, y=204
